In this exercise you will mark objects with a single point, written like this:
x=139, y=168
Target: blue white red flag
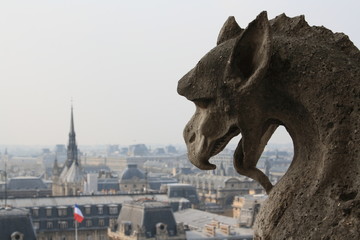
x=78, y=216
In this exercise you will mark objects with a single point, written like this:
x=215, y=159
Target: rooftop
x=197, y=220
x=14, y=220
x=148, y=214
x=132, y=172
x=21, y=183
x=80, y=200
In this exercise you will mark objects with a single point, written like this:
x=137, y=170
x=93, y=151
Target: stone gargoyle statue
x=307, y=79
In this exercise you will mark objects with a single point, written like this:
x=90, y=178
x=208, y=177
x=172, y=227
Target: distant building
x=69, y=179
x=133, y=180
x=61, y=153
x=112, y=150
x=200, y=225
x=108, y=185
x=146, y=220
x=217, y=192
x=138, y=150
x=26, y=187
x=95, y=168
x=60, y=149
x=246, y=208
x=171, y=149
x=238, y=205
x=91, y=184
x=187, y=191
x=159, y=151
x=157, y=180
x=119, y=162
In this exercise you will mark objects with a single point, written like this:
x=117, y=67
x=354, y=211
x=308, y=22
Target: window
x=48, y=212
x=36, y=224
x=112, y=222
x=63, y=225
x=113, y=209
x=87, y=209
x=100, y=209
x=101, y=222
x=62, y=211
x=88, y=223
x=35, y=212
x=49, y=225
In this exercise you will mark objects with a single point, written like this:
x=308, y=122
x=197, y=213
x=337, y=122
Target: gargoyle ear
x=251, y=55
x=229, y=30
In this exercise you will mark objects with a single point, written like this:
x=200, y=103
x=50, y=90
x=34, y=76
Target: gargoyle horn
x=251, y=55
x=229, y=30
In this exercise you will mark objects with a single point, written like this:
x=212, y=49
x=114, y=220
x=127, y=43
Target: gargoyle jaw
x=201, y=148
x=248, y=152
x=221, y=143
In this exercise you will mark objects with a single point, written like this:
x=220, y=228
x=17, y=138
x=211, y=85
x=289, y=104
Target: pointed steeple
x=72, y=129
x=72, y=151
x=222, y=171
x=56, y=169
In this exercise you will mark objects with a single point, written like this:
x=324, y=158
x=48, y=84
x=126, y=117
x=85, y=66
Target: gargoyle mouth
x=221, y=143
x=202, y=147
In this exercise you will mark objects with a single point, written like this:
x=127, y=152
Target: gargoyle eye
x=202, y=102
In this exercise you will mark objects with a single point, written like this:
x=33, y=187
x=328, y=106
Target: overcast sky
x=120, y=62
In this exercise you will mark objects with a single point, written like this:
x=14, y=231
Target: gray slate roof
x=177, y=190
x=73, y=175
x=148, y=215
x=16, y=220
x=130, y=172
x=22, y=183
x=108, y=184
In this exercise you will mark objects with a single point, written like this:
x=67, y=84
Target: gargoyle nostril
x=192, y=139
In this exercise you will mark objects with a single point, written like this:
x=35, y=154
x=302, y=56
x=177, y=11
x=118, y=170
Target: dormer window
x=63, y=224
x=48, y=211
x=100, y=209
x=87, y=209
x=113, y=209
x=62, y=211
x=35, y=212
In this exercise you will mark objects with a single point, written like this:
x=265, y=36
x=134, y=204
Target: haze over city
x=120, y=62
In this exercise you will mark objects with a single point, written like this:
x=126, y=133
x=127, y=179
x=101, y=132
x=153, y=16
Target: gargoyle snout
x=184, y=84
x=197, y=145
x=195, y=86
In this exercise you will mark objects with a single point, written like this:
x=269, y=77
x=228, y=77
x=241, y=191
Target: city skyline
x=120, y=63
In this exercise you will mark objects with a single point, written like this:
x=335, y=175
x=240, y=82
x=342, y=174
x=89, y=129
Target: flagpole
x=76, y=235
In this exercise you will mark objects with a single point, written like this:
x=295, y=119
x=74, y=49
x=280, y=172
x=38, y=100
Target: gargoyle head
x=225, y=87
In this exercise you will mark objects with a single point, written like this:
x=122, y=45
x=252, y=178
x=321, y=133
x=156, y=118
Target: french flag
x=78, y=216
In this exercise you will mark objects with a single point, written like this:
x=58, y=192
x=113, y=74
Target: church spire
x=72, y=151
x=72, y=129
x=56, y=169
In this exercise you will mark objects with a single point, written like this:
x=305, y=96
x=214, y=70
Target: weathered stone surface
x=284, y=72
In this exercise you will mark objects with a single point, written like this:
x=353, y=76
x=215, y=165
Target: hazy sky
x=120, y=61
